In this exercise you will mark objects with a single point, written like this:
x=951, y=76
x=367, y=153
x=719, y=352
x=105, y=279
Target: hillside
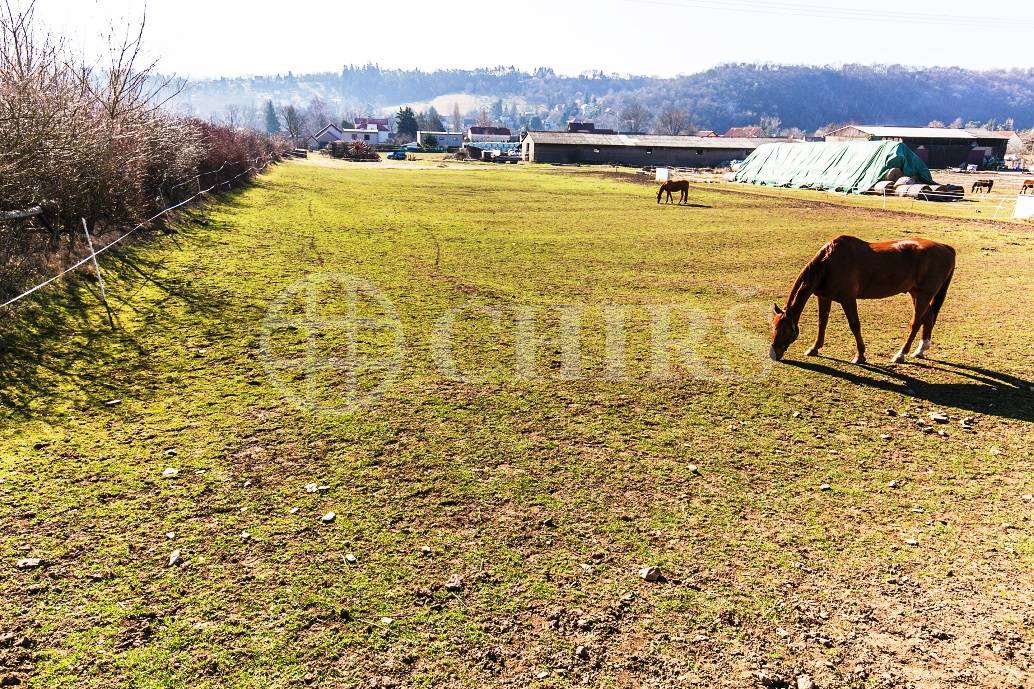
x=806, y=97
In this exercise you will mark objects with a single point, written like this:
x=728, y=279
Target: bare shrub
x=94, y=142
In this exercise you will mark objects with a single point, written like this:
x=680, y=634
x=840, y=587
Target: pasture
x=514, y=387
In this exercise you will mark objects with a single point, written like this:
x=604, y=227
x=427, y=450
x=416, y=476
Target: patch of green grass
x=544, y=474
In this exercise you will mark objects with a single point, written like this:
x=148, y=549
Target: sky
x=208, y=38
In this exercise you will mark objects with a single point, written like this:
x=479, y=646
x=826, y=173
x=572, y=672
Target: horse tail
x=938, y=300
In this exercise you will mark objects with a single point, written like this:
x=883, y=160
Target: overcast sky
x=202, y=38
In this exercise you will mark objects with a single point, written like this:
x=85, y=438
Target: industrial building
x=635, y=149
x=938, y=147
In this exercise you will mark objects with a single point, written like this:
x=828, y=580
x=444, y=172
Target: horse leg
x=921, y=302
x=820, y=339
x=851, y=311
x=685, y=196
x=931, y=317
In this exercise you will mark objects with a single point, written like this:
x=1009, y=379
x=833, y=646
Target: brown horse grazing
x=1027, y=184
x=847, y=269
x=670, y=186
x=986, y=184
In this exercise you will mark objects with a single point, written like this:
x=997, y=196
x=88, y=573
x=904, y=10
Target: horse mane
x=809, y=275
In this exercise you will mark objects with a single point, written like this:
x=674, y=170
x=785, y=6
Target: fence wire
x=95, y=253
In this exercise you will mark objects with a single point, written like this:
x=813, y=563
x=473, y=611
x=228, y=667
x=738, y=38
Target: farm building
x=744, y=133
x=938, y=147
x=846, y=166
x=325, y=136
x=634, y=149
x=488, y=134
x=441, y=139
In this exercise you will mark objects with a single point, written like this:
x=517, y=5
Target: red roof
x=383, y=123
x=744, y=133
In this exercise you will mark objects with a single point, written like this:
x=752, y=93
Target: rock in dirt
x=967, y=422
x=351, y=559
x=938, y=417
x=581, y=652
x=804, y=682
x=894, y=484
x=693, y=469
x=425, y=550
x=328, y=517
x=890, y=412
x=825, y=486
x=28, y=563
x=112, y=403
x=455, y=583
x=650, y=574
x=175, y=558
x=170, y=472
x=911, y=541
x=245, y=536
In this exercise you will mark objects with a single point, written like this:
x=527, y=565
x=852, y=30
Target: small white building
x=442, y=139
x=370, y=136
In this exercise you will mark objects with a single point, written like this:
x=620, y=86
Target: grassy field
x=532, y=383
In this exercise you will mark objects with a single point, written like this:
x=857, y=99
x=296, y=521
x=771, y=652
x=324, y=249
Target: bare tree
x=770, y=125
x=457, y=118
x=636, y=116
x=293, y=122
x=673, y=121
x=484, y=119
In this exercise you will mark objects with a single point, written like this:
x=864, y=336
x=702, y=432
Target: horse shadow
x=985, y=391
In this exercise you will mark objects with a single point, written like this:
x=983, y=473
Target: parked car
x=397, y=155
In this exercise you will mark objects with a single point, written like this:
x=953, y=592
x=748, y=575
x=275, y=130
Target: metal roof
x=656, y=140
x=924, y=132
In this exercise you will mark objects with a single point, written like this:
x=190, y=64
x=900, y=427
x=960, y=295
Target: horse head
x=660, y=190
x=784, y=332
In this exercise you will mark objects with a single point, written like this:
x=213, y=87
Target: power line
x=807, y=11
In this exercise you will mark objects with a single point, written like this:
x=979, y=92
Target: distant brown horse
x=847, y=269
x=670, y=186
x=986, y=184
x=1027, y=184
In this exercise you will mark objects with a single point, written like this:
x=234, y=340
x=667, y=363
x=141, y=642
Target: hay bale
x=893, y=175
x=903, y=181
x=884, y=187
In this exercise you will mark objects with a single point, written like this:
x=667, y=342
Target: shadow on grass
x=57, y=346
x=984, y=391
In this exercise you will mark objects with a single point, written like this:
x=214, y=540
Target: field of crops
x=474, y=426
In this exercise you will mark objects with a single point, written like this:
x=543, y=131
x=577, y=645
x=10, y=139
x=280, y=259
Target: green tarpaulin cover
x=848, y=167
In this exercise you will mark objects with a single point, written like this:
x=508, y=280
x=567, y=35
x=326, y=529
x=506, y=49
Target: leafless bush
x=94, y=142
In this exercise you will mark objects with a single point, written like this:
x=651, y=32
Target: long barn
x=938, y=147
x=635, y=149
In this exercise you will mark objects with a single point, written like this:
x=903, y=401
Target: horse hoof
x=897, y=358
x=858, y=359
x=814, y=351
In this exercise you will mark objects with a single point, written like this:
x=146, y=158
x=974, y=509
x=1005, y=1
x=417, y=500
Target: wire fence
x=94, y=253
